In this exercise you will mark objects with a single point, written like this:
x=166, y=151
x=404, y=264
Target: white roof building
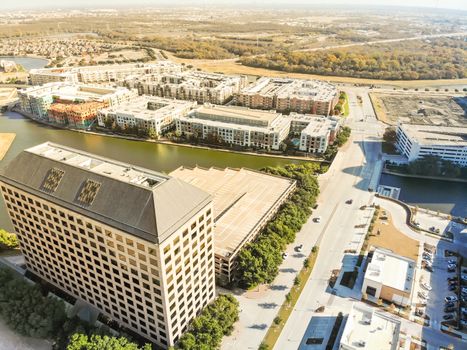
x=370, y=329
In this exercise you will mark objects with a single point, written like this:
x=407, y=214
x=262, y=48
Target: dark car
x=452, y=287
x=449, y=304
x=448, y=317
x=449, y=309
x=349, y=201
x=450, y=253
x=454, y=278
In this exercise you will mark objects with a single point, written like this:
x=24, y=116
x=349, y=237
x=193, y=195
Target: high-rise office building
x=133, y=243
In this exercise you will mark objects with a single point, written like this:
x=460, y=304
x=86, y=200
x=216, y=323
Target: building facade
x=318, y=133
x=417, y=141
x=135, y=244
x=189, y=85
x=389, y=277
x=100, y=74
x=36, y=101
x=146, y=113
x=290, y=95
x=236, y=126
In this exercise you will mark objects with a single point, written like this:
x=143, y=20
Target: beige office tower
x=135, y=244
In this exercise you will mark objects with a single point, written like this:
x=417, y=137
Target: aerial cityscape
x=208, y=175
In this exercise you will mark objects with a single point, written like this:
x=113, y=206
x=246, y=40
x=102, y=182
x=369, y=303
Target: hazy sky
x=22, y=4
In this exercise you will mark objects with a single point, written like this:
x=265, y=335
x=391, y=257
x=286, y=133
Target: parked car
x=423, y=295
x=448, y=317
x=464, y=277
x=299, y=248
x=285, y=255
x=452, y=268
x=450, y=253
x=426, y=286
x=317, y=219
x=449, y=309
x=453, y=278
x=429, y=268
x=449, y=304
x=452, y=261
x=349, y=201
x=452, y=287
x=449, y=298
x=427, y=257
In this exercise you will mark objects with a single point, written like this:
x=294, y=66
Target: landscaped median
x=290, y=300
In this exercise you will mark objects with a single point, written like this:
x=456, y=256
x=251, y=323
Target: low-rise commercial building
x=38, y=100
x=370, y=329
x=417, y=141
x=236, y=125
x=189, y=85
x=100, y=74
x=148, y=113
x=389, y=277
x=135, y=244
x=290, y=95
x=244, y=201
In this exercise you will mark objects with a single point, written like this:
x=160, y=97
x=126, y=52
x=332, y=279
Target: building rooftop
x=149, y=107
x=370, y=329
x=431, y=135
x=391, y=270
x=319, y=125
x=239, y=115
x=241, y=198
x=139, y=201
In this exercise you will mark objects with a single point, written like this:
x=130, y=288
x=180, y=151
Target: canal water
x=27, y=62
x=443, y=196
x=154, y=156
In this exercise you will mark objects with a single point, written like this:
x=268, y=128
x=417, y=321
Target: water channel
x=154, y=156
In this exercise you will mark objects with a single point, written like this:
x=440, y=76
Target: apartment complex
x=389, y=277
x=189, y=85
x=244, y=201
x=146, y=113
x=76, y=115
x=36, y=101
x=318, y=134
x=417, y=141
x=236, y=125
x=133, y=243
x=370, y=329
x=100, y=74
x=290, y=95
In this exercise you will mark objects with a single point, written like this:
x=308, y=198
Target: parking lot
x=440, y=283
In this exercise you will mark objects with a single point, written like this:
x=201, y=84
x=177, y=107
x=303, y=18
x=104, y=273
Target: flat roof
x=370, y=329
x=319, y=125
x=432, y=135
x=238, y=113
x=241, y=198
x=391, y=270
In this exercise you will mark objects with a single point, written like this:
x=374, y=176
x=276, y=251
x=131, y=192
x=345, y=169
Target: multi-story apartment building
x=146, y=112
x=37, y=100
x=290, y=95
x=189, y=85
x=76, y=115
x=449, y=143
x=135, y=244
x=100, y=74
x=236, y=125
x=318, y=134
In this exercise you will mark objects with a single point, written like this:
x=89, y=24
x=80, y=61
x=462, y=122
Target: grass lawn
x=286, y=309
x=390, y=238
x=346, y=106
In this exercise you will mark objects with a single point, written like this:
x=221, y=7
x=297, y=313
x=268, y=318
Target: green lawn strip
x=346, y=106
x=286, y=309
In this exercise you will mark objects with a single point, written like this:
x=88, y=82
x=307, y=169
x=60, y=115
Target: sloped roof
x=150, y=212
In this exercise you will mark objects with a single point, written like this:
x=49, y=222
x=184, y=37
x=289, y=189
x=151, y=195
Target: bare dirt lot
x=423, y=108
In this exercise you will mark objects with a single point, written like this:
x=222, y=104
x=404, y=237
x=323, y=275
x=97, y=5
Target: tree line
x=430, y=165
x=28, y=311
x=259, y=261
x=214, y=322
x=413, y=60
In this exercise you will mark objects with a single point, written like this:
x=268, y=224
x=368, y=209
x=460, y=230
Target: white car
x=426, y=286
x=452, y=298
x=423, y=295
x=285, y=255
